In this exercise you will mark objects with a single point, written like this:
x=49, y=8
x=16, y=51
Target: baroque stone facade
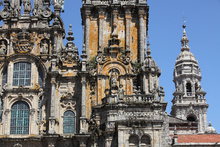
x=108, y=96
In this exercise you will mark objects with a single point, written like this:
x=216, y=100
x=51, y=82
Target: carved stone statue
x=3, y=47
x=121, y=92
x=60, y=3
x=27, y=6
x=44, y=46
x=16, y=7
x=114, y=79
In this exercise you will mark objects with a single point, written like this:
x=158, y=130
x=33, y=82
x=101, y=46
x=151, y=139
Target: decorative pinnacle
x=184, y=40
x=70, y=37
x=84, y=55
x=148, y=49
x=84, y=49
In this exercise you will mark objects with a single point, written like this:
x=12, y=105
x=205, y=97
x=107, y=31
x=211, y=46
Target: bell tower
x=115, y=42
x=189, y=102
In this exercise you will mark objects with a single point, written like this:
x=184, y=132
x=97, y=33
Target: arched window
x=20, y=118
x=188, y=87
x=69, y=122
x=133, y=141
x=191, y=118
x=145, y=141
x=22, y=74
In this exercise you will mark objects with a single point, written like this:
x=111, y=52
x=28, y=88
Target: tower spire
x=184, y=40
x=148, y=49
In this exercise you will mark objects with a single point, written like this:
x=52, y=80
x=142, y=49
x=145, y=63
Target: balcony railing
x=131, y=99
x=106, y=2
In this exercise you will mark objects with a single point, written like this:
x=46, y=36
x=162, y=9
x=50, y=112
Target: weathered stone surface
x=112, y=91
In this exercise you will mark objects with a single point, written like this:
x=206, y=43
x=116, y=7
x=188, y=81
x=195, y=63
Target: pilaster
x=142, y=32
x=128, y=27
x=101, y=12
x=87, y=14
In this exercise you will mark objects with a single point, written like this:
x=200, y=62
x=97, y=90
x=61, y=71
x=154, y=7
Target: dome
x=210, y=129
x=186, y=56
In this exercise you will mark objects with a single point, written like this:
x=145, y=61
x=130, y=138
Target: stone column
x=108, y=141
x=52, y=119
x=128, y=27
x=6, y=126
x=87, y=29
x=142, y=33
x=145, y=89
x=101, y=20
x=83, y=120
x=83, y=97
x=200, y=123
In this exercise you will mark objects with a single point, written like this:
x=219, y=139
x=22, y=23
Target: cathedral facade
x=107, y=96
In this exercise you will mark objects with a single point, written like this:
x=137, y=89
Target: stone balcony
x=115, y=2
x=128, y=99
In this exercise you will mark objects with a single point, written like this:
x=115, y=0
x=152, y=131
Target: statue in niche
x=114, y=79
x=44, y=46
x=16, y=7
x=121, y=92
x=155, y=91
x=3, y=47
x=37, y=7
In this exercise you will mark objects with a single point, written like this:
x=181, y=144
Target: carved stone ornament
x=59, y=3
x=101, y=59
x=3, y=47
x=70, y=57
x=46, y=12
x=67, y=101
x=5, y=13
x=23, y=42
x=44, y=45
x=124, y=58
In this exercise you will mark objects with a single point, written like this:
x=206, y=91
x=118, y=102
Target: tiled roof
x=199, y=138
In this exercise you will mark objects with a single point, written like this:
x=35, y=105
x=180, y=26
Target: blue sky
x=165, y=31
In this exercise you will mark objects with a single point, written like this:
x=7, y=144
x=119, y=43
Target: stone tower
x=115, y=41
x=123, y=96
x=189, y=102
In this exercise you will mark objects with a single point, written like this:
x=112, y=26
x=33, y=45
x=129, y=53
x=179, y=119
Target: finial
x=84, y=49
x=184, y=29
x=70, y=37
x=84, y=55
x=184, y=40
x=148, y=49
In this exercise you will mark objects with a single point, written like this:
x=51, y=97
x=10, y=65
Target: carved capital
x=142, y=12
x=101, y=11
